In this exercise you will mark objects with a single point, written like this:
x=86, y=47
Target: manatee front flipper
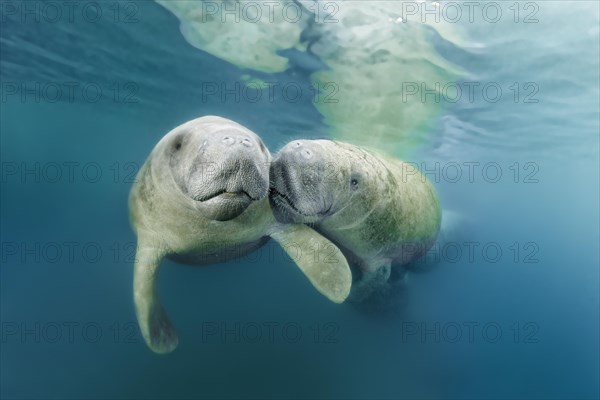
x=371, y=280
x=152, y=318
x=319, y=259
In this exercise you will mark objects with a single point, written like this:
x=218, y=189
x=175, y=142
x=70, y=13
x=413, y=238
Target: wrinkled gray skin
x=201, y=198
x=379, y=211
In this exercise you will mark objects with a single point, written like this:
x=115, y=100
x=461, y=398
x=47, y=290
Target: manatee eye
x=178, y=141
x=353, y=184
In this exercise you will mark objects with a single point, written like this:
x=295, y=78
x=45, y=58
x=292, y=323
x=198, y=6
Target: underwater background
x=509, y=136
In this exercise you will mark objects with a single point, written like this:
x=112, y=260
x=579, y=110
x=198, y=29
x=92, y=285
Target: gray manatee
x=378, y=210
x=201, y=198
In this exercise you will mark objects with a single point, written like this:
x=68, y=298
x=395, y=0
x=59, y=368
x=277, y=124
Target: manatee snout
x=227, y=170
x=298, y=191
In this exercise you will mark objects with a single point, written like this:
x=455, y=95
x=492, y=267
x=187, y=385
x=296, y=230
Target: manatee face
x=220, y=165
x=314, y=179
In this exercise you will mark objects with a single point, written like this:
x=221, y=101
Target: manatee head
x=219, y=166
x=312, y=180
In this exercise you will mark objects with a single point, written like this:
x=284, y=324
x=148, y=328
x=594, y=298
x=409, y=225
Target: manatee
x=379, y=211
x=201, y=198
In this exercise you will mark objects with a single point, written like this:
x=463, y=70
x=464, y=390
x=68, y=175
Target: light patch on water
x=246, y=34
x=381, y=66
x=375, y=53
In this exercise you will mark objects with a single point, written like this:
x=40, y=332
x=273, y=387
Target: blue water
x=522, y=324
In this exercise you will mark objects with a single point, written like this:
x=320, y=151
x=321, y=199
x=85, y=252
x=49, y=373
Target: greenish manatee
x=201, y=198
x=379, y=211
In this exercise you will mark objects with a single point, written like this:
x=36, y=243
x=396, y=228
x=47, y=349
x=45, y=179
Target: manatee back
x=419, y=209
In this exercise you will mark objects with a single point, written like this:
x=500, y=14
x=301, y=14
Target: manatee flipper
x=152, y=318
x=320, y=260
x=371, y=280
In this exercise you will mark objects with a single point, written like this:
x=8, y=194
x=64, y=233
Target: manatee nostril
x=297, y=144
x=306, y=153
x=246, y=142
x=228, y=140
